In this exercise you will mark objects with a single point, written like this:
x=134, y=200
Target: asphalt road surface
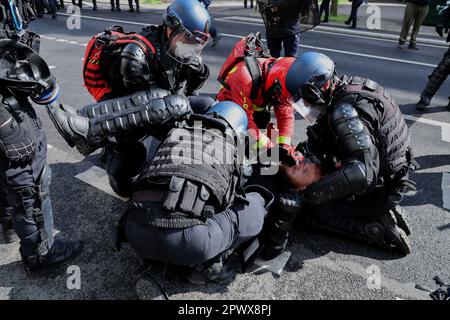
x=321, y=266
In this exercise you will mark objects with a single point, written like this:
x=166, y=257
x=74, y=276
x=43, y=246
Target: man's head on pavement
x=187, y=25
x=302, y=175
x=311, y=81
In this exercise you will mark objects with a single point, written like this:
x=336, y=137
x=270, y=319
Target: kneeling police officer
x=360, y=138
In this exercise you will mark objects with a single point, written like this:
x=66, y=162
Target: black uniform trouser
x=437, y=78
x=130, y=4
x=290, y=43
x=325, y=7
x=353, y=18
x=24, y=195
x=198, y=244
x=117, y=5
x=123, y=160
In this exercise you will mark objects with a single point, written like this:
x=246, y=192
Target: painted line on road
x=352, y=53
x=444, y=125
x=323, y=29
x=304, y=46
x=98, y=178
x=446, y=190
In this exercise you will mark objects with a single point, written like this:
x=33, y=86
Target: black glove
x=197, y=65
x=16, y=144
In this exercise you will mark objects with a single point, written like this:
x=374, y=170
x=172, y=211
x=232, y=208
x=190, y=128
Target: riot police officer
x=25, y=175
x=282, y=21
x=361, y=139
x=175, y=65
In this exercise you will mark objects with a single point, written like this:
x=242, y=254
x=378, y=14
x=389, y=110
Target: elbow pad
x=344, y=182
x=134, y=67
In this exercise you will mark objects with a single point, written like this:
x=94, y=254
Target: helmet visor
x=184, y=46
x=307, y=111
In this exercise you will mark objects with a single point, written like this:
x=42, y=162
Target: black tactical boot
x=423, y=103
x=61, y=252
x=389, y=231
x=217, y=270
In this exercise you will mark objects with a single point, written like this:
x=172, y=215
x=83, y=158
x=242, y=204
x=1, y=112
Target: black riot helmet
x=22, y=70
x=310, y=81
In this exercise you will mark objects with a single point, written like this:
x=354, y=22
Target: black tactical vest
x=197, y=174
x=392, y=137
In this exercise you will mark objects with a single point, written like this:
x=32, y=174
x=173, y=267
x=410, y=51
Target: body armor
x=194, y=174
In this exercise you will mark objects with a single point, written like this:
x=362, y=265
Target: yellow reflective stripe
x=283, y=140
x=263, y=141
x=258, y=109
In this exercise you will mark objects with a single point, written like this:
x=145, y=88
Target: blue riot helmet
x=190, y=23
x=232, y=113
x=310, y=82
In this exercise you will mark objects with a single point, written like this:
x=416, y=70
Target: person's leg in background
x=435, y=81
x=352, y=19
x=291, y=45
x=420, y=15
x=52, y=5
x=94, y=5
x=407, y=22
x=274, y=45
x=325, y=7
x=130, y=4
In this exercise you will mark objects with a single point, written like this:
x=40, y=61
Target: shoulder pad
x=133, y=51
x=341, y=113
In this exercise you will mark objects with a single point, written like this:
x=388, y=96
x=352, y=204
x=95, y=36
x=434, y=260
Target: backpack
x=99, y=53
x=248, y=49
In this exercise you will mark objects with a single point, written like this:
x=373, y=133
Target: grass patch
x=152, y=1
x=338, y=18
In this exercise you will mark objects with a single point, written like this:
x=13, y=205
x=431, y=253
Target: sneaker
x=113, y=9
x=118, y=9
x=138, y=10
x=423, y=103
x=131, y=10
x=413, y=46
x=61, y=252
x=347, y=22
x=400, y=44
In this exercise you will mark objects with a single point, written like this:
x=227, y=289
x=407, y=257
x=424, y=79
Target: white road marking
x=51, y=67
x=303, y=46
x=329, y=30
x=97, y=178
x=444, y=125
x=61, y=40
x=446, y=190
x=276, y=265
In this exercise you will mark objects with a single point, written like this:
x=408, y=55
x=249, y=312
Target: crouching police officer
x=167, y=56
x=362, y=141
x=188, y=206
x=25, y=175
